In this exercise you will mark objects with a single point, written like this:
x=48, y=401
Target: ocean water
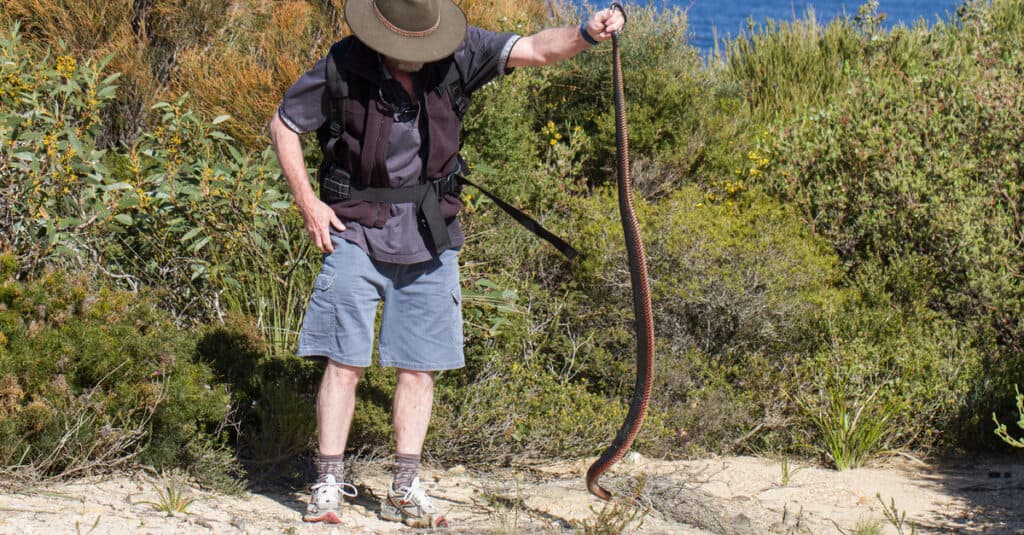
x=729, y=18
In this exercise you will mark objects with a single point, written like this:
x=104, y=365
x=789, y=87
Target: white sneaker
x=327, y=500
x=412, y=506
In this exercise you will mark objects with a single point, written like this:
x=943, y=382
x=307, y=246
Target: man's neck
x=404, y=78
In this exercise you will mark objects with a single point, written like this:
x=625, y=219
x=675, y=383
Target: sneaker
x=327, y=500
x=411, y=506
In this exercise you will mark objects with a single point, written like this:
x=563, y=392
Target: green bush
x=182, y=209
x=915, y=166
x=94, y=378
x=1003, y=433
x=736, y=286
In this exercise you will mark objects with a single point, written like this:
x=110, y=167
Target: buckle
x=448, y=184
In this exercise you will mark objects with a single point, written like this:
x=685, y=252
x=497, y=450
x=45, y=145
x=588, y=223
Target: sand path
x=742, y=495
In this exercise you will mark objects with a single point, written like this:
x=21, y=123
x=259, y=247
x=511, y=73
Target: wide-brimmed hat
x=408, y=30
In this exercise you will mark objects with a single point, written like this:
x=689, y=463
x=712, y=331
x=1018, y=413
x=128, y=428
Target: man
x=386, y=220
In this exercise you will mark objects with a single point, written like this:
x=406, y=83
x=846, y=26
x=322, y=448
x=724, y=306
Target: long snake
x=644, y=320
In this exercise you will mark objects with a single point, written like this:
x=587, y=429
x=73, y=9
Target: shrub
x=182, y=207
x=95, y=378
x=1001, y=430
x=916, y=167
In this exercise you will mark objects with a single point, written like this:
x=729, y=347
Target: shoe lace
x=346, y=489
x=417, y=495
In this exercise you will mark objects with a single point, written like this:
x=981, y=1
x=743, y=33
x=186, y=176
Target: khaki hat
x=408, y=30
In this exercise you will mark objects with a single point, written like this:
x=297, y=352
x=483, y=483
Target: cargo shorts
x=421, y=322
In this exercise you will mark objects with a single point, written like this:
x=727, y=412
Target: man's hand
x=318, y=216
x=604, y=23
x=319, y=219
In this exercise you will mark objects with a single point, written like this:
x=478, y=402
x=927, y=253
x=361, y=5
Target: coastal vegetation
x=834, y=218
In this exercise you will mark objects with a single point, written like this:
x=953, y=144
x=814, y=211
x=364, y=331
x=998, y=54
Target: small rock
x=633, y=457
x=239, y=523
x=456, y=470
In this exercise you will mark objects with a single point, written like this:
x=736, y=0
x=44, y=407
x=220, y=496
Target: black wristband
x=586, y=36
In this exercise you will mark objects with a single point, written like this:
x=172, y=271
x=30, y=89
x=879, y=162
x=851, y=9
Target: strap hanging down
x=526, y=221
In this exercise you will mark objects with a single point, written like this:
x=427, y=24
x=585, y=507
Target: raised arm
x=555, y=44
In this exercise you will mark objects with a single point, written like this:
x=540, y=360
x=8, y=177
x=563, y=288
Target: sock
x=406, y=468
x=330, y=465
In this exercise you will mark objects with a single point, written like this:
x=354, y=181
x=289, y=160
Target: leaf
x=200, y=244
x=191, y=234
x=116, y=186
x=124, y=219
x=221, y=118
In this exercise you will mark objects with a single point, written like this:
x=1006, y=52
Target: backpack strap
x=337, y=90
x=452, y=84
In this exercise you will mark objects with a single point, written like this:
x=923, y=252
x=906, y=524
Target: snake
x=641, y=289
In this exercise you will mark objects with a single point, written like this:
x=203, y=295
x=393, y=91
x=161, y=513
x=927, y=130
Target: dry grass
x=234, y=57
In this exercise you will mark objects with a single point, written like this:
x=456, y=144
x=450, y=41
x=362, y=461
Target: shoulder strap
x=452, y=83
x=337, y=91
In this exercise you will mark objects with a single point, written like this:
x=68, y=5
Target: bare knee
x=341, y=375
x=415, y=379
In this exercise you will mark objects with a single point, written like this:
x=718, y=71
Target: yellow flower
x=66, y=66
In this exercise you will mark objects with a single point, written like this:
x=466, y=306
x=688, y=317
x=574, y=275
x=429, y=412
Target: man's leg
x=335, y=405
x=414, y=398
x=406, y=501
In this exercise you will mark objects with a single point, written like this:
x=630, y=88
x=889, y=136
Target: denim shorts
x=421, y=323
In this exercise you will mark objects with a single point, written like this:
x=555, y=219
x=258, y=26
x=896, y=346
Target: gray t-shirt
x=483, y=57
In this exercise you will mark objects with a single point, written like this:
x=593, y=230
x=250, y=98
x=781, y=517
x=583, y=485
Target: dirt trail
x=741, y=495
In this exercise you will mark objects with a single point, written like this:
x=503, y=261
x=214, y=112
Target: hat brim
x=451, y=30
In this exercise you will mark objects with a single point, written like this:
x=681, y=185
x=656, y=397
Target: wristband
x=586, y=36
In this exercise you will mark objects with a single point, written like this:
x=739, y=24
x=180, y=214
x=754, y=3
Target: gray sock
x=406, y=468
x=330, y=465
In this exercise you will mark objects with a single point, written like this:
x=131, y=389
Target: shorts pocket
x=320, y=316
x=323, y=282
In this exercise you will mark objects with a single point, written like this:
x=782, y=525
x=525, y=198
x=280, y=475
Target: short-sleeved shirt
x=482, y=57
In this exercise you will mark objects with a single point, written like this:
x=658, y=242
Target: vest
x=354, y=178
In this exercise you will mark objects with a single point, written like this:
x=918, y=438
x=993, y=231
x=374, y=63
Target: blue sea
x=729, y=18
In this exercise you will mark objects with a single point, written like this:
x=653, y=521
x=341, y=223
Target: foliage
x=94, y=378
x=854, y=431
x=736, y=286
x=895, y=517
x=915, y=166
x=274, y=393
x=1001, y=430
x=683, y=120
x=622, y=514
x=181, y=208
x=171, y=497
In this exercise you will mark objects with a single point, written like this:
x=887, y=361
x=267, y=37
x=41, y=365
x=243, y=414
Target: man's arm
x=555, y=44
x=318, y=216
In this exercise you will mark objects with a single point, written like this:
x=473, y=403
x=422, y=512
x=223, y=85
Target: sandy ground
x=723, y=495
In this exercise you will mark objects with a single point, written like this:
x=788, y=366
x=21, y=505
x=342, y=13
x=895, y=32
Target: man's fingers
x=608, y=21
x=325, y=240
x=336, y=223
